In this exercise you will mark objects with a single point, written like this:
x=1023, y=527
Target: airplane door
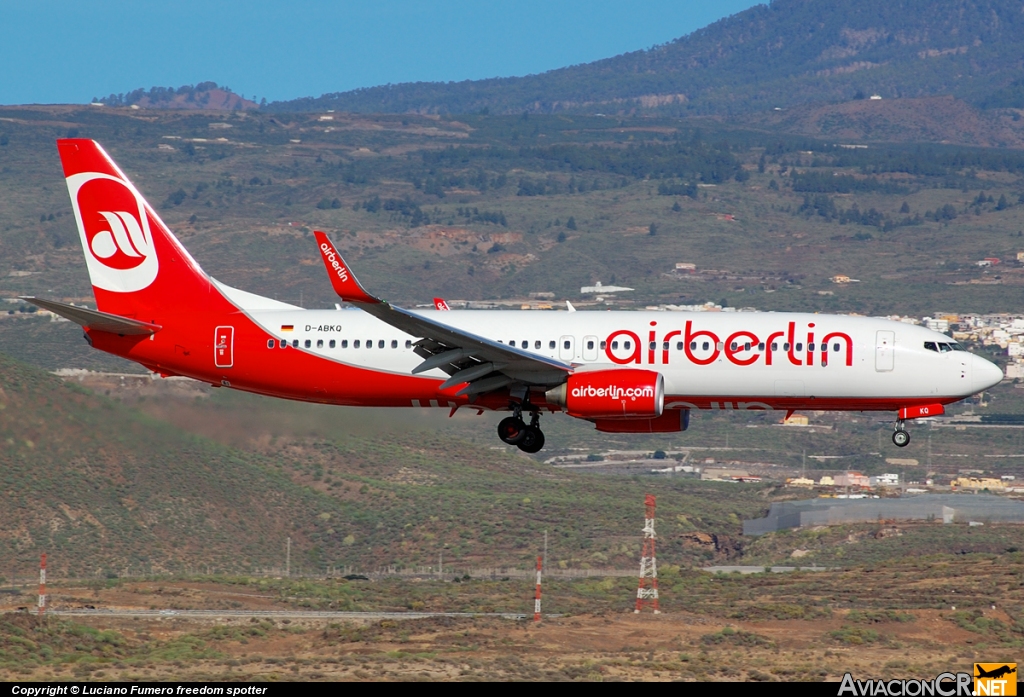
x=567, y=348
x=590, y=344
x=224, y=347
x=885, y=358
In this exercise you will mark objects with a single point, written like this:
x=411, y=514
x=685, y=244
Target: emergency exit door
x=885, y=344
x=224, y=347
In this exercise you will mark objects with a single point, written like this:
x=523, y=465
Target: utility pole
x=440, y=564
x=288, y=559
x=647, y=589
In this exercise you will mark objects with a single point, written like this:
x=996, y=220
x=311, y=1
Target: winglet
x=441, y=305
x=342, y=278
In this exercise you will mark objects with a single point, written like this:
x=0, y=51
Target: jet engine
x=611, y=394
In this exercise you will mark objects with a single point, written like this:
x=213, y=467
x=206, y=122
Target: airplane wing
x=94, y=319
x=484, y=364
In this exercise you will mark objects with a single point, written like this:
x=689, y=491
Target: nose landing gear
x=514, y=431
x=900, y=437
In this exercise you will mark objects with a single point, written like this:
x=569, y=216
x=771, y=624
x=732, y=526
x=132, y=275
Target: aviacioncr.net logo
x=115, y=231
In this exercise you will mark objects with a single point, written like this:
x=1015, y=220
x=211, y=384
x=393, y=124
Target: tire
x=900, y=438
x=533, y=440
x=511, y=430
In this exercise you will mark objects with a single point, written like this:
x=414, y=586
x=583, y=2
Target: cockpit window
x=942, y=346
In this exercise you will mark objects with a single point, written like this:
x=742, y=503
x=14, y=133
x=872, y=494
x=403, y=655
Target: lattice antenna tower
x=647, y=589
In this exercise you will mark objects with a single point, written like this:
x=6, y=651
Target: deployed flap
x=465, y=350
x=94, y=319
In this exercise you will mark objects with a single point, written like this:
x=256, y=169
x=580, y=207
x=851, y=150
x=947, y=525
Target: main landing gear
x=900, y=437
x=514, y=431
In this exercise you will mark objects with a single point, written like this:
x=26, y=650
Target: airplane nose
x=984, y=374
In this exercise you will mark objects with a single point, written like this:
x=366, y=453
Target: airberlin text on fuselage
x=332, y=257
x=742, y=347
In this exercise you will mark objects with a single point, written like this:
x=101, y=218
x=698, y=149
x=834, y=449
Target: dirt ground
x=601, y=646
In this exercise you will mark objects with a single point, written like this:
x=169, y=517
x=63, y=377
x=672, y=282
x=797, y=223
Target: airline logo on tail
x=114, y=226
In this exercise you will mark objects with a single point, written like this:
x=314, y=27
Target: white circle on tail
x=115, y=230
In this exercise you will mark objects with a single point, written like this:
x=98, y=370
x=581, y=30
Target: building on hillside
x=826, y=480
x=723, y=474
x=800, y=482
x=885, y=480
x=977, y=483
x=948, y=508
x=852, y=479
x=685, y=266
x=598, y=288
x=797, y=420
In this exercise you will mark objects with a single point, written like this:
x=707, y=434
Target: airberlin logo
x=613, y=391
x=788, y=346
x=115, y=231
x=332, y=258
x=123, y=246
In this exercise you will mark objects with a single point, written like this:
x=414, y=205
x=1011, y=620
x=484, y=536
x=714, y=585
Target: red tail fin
x=136, y=265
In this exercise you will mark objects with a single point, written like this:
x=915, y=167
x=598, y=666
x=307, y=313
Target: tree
x=570, y=224
x=905, y=208
x=1003, y=204
x=652, y=230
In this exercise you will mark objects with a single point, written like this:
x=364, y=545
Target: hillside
x=103, y=488
x=205, y=95
x=786, y=53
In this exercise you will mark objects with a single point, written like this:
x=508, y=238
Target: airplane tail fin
x=137, y=267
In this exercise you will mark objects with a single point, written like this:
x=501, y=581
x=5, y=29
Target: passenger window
x=625, y=344
x=604, y=344
x=319, y=343
x=512, y=344
x=721, y=345
x=355, y=344
x=344, y=343
x=653, y=345
x=615, y=345
x=408, y=343
x=664, y=346
x=733, y=346
x=566, y=345
x=785, y=346
x=835, y=347
x=693, y=345
x=760, y=347
x=380, y=344
x=775, y=346
x=332, y=343
x=307, y=343
x=525, y=344
x=369, y=343
x=551, y=344
x=394, y=343
x=799, y=346
x=295, y=343
x=679, y=346
x=746, y=346
x=271, y=343
x=590, y=345
x=536, y=344
x=810, y=347
x=705, y=346
x=284, y=343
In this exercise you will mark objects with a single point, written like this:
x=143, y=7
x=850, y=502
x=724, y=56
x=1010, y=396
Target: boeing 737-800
x=627, y=372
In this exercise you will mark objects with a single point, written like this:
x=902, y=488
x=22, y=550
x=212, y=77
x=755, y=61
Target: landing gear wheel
x=900, y=438
x=533, y=440
x=511, y=430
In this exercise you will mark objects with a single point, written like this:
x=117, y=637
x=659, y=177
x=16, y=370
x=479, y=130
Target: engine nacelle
x=611, y=394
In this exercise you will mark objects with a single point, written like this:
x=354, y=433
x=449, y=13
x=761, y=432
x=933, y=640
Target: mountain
x=786, y=53
x=205, y=95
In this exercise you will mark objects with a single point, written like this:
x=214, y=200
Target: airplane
x=624, y=371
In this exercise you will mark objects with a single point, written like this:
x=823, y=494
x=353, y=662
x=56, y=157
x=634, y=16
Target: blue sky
x=69, y=51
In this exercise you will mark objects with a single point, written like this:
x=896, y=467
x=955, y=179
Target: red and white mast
x=536, y=597
x=42, y=584
x=647, y=589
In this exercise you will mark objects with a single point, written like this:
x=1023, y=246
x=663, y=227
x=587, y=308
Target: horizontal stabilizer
x=94, y=319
